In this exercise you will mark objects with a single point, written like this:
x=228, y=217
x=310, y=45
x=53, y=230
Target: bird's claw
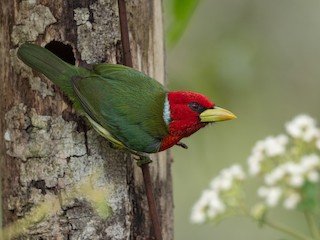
x=142, y=160
x=183, y=145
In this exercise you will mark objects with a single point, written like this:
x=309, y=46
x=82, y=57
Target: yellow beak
x=216, y=114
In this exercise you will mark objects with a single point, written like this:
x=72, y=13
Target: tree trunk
x=60, y=179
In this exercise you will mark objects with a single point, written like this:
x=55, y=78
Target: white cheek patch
x=166, y=111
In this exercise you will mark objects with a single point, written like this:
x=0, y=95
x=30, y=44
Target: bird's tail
x=54, y=68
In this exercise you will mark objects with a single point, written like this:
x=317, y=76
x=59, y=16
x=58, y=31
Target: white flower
x=295, y=173
x=219, y=184
x=310, y=162
x=313, y=176
x=272, y=146
x=310, y=165
x=276, y=175
x=293, y=168
x=216, y=207
x=304, y=127
x=209, y=205
x=271, y=195
x=237, y=172
x=296, y=180
x=198, y=214
x=254, y=163
x=292, y=200
x=275, y=146
x=311, y=134
x=224, y=180
x=298, y=124
x=269, y=147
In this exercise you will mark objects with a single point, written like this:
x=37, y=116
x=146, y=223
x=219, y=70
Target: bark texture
x=51, y=155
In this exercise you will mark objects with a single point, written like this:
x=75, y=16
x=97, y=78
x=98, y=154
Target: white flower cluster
x=295, y=174
x=288, y=164
x=272, y=196
x=269, y=147
x=286, y=180
x=283, y=163
x=211, y=204
x=304, y=127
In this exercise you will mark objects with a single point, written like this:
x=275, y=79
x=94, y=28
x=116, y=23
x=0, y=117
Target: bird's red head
x=185, y=108
x=187, y=112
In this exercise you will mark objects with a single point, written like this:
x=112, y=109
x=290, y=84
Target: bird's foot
x=142, y=159
x=183, y=145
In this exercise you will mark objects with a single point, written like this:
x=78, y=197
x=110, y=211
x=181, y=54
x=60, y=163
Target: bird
x=125, y=106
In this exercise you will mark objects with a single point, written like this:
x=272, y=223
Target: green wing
x=114, y=71
x=125, y=102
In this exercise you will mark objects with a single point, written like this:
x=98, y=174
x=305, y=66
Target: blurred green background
x=259, y=59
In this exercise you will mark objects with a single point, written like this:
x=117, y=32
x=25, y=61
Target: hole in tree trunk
x=40, y=184
x=63, y=51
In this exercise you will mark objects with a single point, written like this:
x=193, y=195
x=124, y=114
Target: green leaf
x=310, y=196
x=181, y=11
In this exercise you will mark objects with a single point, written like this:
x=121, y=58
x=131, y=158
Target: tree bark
x=51, y=155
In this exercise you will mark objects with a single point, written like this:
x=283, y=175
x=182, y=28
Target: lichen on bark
x=94, y=43
x=54, y=163
x=31, y=21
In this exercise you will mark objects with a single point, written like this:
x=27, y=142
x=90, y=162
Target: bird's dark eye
x=196, y=107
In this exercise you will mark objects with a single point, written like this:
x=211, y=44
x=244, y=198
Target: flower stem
x=284, y=229
x=312, y=224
